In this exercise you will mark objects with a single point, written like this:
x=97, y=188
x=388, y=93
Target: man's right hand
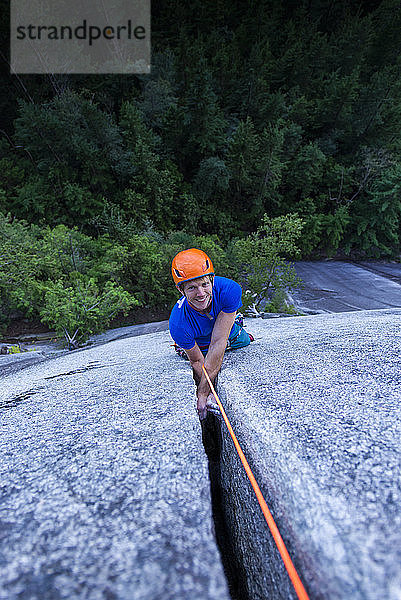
x=201, y=406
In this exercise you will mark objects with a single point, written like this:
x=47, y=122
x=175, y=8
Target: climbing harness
x=295, y=579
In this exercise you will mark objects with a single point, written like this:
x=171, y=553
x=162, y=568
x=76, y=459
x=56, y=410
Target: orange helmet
x=191, y=264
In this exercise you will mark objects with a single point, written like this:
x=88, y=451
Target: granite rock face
x=338, y=286
x=10, y=363
x=316, y=404
x=104, y=480
x=104, y=488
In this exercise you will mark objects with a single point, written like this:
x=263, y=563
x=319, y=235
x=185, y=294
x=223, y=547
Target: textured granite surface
x=316, y=404
x=338, y=286
x=38, y=351
x=10, y=363
x=104, y=489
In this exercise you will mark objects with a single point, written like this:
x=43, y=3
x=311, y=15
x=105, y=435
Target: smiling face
x=199, y=292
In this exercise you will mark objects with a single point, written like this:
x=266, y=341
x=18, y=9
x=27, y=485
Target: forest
x=266, y=131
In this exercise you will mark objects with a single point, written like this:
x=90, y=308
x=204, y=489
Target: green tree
x=19, y=265
x=255, y=166
x=75, y=154
x=376, y=217
x=159, y=94
x=261, y=262
x=323, y=234
x=80, y=309
x=195, y=128
x=157, y=191
x=61, y=276
x=304, y=173
x=244, y=165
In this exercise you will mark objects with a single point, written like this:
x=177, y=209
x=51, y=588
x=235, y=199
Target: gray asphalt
x=104, y=480
x=337, y=286
x=316, y=404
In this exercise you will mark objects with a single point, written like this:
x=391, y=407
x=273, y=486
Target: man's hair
x=185, y=283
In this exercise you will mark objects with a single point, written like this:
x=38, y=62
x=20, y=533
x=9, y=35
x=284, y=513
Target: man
x=202, y=322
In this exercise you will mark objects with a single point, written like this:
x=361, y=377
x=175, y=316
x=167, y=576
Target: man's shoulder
x=179, y=324
x=180, y=304
x=222, y=282
x=178, y=310
x=228, y=294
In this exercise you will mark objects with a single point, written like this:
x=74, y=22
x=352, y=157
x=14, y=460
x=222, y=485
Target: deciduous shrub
x=61, y=276
x=261, y=262
x=79, y=309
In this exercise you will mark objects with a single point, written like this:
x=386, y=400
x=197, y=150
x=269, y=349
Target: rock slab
x=316, y=404
x=104, y=480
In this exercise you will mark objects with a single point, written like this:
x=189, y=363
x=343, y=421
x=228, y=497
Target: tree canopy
x=251, y=108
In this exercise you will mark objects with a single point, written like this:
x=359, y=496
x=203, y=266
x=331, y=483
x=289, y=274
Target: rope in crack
x=292, y=573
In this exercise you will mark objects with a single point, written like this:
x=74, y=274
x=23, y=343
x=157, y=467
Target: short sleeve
x=180, y=334
x=231, y=295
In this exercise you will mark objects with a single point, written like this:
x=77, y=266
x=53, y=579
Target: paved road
x=337, y=286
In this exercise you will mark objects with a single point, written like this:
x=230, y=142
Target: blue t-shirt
x=188, y=326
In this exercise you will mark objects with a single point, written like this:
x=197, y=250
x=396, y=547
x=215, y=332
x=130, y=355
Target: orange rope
x=295, y=579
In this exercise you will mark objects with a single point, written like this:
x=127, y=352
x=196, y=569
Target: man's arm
x=196, y=359
x=217, y=348
x=213, y=360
